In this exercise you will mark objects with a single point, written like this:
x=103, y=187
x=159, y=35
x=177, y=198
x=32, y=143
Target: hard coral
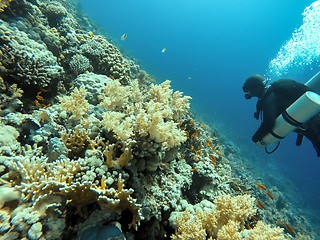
x=26, y=61
x=47, y=188
x=76, y=103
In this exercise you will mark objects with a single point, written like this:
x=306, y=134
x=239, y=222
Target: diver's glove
x=255, y=139
x=299, y=139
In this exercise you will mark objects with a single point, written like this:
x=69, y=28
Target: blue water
x=212, y=47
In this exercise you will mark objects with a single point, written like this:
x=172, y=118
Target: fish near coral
x=269, y=194
x=213, y=161
x=261, y=186
x=260, y=205
x=198, y=133
x=290, y=230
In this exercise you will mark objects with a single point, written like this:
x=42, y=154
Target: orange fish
x=261, y=186
x=213, y=161
x=198, y=133
x=260, y=204
x=290, y=230
x=270, y=195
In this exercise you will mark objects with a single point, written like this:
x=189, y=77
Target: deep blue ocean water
x=212, y=47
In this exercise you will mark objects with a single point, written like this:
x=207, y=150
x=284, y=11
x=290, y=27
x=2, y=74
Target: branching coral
x=49, y=187
x=127, y=117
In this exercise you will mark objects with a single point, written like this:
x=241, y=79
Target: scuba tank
x=304, y=108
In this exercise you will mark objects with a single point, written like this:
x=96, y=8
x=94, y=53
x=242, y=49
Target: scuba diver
x=273, y=100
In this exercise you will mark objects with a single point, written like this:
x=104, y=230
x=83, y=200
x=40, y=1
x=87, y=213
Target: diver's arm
x=269, y=117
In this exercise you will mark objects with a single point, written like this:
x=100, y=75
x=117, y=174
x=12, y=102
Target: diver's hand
x=259, y=142
x=255, y=139
x=256, y=115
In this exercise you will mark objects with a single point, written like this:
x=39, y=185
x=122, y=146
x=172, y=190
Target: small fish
x=261, y=186
x=124, y=37
x=164, y=50
x=290, y=229
x=269, y=194
x=189, y=78
x=259, y=204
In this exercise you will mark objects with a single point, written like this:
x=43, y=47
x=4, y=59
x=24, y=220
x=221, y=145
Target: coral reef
x=91, y=145
x=25, y=61
x=4, y=4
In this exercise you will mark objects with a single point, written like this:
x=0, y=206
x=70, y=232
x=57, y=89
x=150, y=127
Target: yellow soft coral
x=263, y=231
x=237, y=208
x=76, y=103
x=4, y=4
x=156, y=112
x=189, y=228
x=224, y=222
x=229, y=231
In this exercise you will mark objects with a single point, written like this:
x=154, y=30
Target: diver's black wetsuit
x=278, y=97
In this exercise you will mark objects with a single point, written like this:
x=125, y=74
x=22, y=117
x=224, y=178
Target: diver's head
x=254, y=86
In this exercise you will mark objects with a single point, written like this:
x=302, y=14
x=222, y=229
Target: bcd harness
x=280, y=87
